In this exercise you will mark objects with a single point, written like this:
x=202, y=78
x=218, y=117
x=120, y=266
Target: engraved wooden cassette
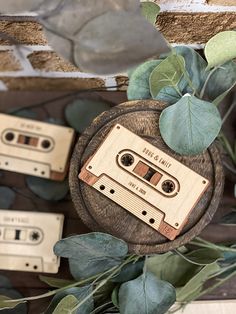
x=27, y=240
x=36, y=148
x=144, y=180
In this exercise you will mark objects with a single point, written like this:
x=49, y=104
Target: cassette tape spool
x=27, y=240
x=35, y=148
x=144, y=180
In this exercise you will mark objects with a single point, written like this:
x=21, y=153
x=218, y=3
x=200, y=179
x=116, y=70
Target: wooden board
x=210, y=307
x=99, y=213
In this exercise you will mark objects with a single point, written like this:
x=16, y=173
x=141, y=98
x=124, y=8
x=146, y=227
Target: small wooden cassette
x=35, y=148
x=27, y=240
x=144, y=180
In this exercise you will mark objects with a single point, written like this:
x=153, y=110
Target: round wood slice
x=101, y=214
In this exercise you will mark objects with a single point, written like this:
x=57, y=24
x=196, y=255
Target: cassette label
x=35, y=148
x=144, y=180
x=27, y=240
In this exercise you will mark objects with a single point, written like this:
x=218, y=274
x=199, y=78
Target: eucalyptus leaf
x=220, y=82
x=13, y=6
x=116, y=41
x=115, y=296
x=55, y=282
x=221, y=48
x=190, y=126
x=195, y=66
x=66, y=305
x=229, y=219
x=129, y=272
x=91, y=253
x=172, y=268
x=81, y=112
x=139, y=81
x=12, y=307
x=167, y=74
x=47, y=189
x=79, y=293
x=7, y=197
x=150, y=10
x=146, y=294
x=194, y=286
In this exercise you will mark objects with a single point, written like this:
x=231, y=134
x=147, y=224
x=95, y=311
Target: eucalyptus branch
x=206, y=244
x=227, y=146
x=228, y=112
x=187, y=259
x=103, y=282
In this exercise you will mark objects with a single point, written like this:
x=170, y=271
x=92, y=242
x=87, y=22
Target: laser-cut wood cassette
x=145, y=181
x=35, y=148
x=27, y=240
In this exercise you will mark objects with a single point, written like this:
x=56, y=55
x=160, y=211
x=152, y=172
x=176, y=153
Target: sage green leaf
x=66, y=305
x=64, y=23
x=190, y=126
x=221, y=48
x=55, y=282
x=47, y=189
x=115, y=296
x=172, y=268
x=195, y=66
x=204, y=256
x=129, y=272
x=7, y=197
x=146, y=294
x=229, y=258
x=170, y=95
x=9, y=306
x=139, y=81
x=81, y=112
x=221, y=81
x=229, y=219
x=79, y=293
x=116, y=41
x=167, y=74
x=150, y=10
x=91, y=253
x=195, y=285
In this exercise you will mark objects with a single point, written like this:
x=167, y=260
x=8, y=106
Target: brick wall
x=34, y=66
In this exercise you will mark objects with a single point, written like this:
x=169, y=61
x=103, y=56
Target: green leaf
x=222, y=80
x=115, y=296
x=150, y=10
x=7, y=197
x=167, y=74
x=204, y=256
x=221, y=48
x=190, y=126
x=47, y=189
x=146, y=294
x=81, y=112
x=79, y=293
x=172, y=268
x=9, y=306
x=66, y=305
x=195, y=66
x=229, y=219
x=194, y=286
x=91, y=253
x=129, y=272
x=55, y=282
x=139, y=81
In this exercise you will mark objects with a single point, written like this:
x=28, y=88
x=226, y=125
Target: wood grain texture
x=99, y=213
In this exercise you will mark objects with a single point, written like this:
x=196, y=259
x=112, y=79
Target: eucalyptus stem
x=231, y=107
x=103, y=282
x=212, y=245
x=227, y=146
x=206, y=82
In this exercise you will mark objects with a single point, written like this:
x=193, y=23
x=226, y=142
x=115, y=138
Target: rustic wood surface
x=28, y=283
x=101, y=214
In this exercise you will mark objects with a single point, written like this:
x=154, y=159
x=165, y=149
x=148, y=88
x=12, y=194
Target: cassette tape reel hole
x=9, y=136
x=168, y=186
x=127, y=160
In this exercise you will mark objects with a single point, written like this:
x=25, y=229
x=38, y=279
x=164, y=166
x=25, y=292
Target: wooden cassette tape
x=27, y=240
x=35, y=148
x=144, y=180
